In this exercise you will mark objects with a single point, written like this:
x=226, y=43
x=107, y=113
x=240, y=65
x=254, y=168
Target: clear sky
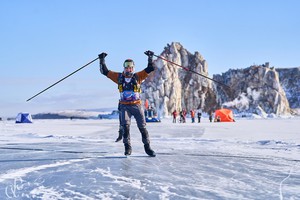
x=43, y=41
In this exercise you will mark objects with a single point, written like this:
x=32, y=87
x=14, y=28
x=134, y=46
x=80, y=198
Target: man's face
x=128, y=68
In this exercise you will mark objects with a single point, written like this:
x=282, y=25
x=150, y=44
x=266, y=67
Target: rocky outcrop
x=172, y=88
x=290, y=81
x=256, y=89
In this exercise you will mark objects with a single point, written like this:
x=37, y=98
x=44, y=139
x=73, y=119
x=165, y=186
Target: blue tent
x=23, y=118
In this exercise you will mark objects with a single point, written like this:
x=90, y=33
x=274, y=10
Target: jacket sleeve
x=150, y=67
x=142, y=75
x=113, y=76
x=103, y=67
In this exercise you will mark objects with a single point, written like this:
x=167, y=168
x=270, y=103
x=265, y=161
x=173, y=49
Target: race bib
x=129, y=96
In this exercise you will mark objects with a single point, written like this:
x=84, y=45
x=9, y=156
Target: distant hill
x=74, y=114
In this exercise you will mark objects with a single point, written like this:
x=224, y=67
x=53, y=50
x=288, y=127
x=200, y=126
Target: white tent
x=24, y=118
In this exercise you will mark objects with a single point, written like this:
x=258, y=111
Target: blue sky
x=43, y=41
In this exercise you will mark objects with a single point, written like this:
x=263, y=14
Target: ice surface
x=78, y=159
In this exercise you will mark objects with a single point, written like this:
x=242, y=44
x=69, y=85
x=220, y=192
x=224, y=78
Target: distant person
x=150, y=112
x=184, y=115
x=130, y=98
x=199, y=114
x=218, y=119
x=181, y=117
x=193, y=116
x=174, y=113
x=210, y=116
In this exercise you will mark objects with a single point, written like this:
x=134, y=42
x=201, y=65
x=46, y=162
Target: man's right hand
x=103, y=68
x=102, y=55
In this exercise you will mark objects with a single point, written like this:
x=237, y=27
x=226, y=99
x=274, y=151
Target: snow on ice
x=78, y=159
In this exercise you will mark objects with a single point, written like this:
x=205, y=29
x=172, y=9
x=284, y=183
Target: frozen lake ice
x=78, y=159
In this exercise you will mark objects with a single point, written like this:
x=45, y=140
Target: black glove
x=150, y=67
x=102, y=55
x=103, y=68
x=149, y=53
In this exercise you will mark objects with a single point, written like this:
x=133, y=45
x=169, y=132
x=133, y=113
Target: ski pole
x=62, y=79
x=187, y=69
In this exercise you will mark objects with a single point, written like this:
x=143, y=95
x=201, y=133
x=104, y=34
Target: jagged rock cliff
x=171, y=87
x=256, y=89
x=290, y=81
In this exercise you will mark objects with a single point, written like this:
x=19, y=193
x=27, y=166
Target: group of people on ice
x=183, y=114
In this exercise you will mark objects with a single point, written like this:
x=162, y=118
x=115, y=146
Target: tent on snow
x=225, y=115
x=24, y=118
